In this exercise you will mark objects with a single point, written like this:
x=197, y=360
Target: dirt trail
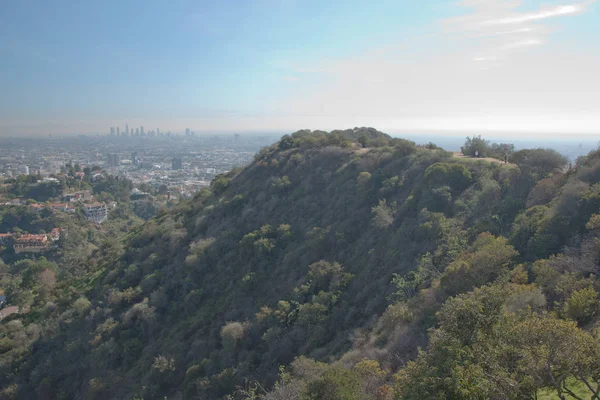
x=458, y=155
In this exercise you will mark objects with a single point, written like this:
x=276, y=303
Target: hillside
x=335, y=255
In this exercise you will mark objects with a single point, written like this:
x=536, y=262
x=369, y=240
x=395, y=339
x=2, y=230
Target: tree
x=456, y=176
x=163, y=189
x=475, y=146
x=335, y=384
x=487, y=259
x=81, y=305
x=582, y=305
x=501, y=150
x=383, y=214
x=539, y=161
x=231, y=334
x=481, y=351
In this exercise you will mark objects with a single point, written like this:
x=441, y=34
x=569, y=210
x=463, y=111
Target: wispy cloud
x=500, y=27
x=522, y=43
x=539, y=15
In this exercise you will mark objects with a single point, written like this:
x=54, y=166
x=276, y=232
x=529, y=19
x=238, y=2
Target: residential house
x=37, y=207
x=84, y=195
x=4, y=237
x=6, y=311
x=64, y=207
x=54, y=234
x=96, y=212
x=31, y=243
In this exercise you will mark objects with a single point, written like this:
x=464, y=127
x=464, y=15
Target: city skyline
x=115, y=131
x=471, y=65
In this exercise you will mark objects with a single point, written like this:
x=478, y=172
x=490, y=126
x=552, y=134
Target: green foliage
x=363, y=178
x=219, y=184
x=383, y=214
x=334, y=384
x=500, y=150
x=539, y=161
x=582, y=305
x=481, y=352
x=476, y=144
x=82, y=305
x=454, y=175
x=231, y=334
x=486, y=260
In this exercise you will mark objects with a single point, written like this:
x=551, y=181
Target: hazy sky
x=510, y=65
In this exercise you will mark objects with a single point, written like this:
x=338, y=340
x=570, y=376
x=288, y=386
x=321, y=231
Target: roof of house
x=96, y=204
x=6, y=311
x=32, y=238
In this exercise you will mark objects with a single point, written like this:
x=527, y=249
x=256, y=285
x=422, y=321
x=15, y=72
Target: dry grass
x=474, y=159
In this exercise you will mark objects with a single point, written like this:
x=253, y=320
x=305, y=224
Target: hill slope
x=337, y=245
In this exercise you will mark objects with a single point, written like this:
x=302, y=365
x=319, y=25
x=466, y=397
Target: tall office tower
x=177, y=163
x=141, y=130
x=112, y=131
x=118, y=131
x=127, y=129
x=113, y=160
x=157, y=131
x=137, y=131
x=187, y=131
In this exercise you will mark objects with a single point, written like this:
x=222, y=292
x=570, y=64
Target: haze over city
x=438, y=66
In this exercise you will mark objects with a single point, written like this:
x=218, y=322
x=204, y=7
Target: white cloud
x=456, y=80
x=485, y=18
x=523, y=43
x=542, y=14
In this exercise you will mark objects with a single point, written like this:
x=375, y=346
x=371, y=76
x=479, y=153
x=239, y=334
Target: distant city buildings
x=116, y=131
x=177, y=163
x=152, y=160
x=112, y=160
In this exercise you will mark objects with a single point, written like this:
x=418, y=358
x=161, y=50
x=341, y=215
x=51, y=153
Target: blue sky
x=80, y=67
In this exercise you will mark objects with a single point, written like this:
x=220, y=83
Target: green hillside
x=342, y=265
